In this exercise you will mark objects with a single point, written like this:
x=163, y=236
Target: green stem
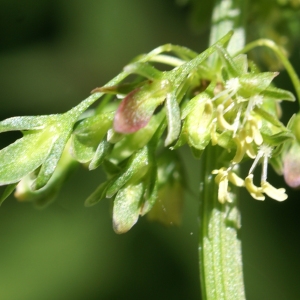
x=220, y=255
x=220, y=247
x=228, y=15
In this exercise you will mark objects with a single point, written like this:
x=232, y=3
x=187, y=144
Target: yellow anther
x=255, y=192
x=272, y=192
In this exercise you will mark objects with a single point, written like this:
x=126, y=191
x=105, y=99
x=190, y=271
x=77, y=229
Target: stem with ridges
x=220, y=255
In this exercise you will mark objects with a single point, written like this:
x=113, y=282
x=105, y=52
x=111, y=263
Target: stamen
x=232, y=85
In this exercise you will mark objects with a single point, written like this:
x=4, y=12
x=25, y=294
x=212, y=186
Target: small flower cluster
x=233, y=107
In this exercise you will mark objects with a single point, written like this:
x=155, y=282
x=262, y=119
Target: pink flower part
x=291, y=167
x=137, y=108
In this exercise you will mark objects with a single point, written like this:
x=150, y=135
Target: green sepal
x=228, y=62
x=252, y=84
x=268, y=117
x=278, y=138
x=150, y=195
x=225, y=140
x=136, y=167
x=190, y=105
x=241, y=63
x=278, y=94
x=111, y=168
x=51, y=161
x=196, y=152
x=120, y=89
x=103, y=150
x=144, y=69
x=137, y=140
x=88, y=134
x=114, y=137
x=173, y=118
x=198, y=123
x=277, y=164
x=126, y=209
x=98, y=195
x=45, y=195
x=168, y=206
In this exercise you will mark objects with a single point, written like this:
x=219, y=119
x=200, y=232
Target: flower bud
x=136, y=109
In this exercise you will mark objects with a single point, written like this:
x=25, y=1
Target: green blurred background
x=52, y=54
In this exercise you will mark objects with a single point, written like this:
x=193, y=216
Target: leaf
x=24, y=156
x=25, y=123
x=126, y=208
x=173, y=118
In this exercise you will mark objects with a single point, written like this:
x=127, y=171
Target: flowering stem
x=220, y=255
